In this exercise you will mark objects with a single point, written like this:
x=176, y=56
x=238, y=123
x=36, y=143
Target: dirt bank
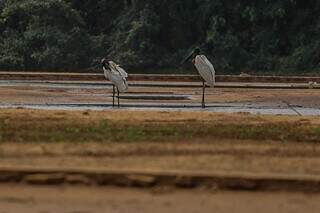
x=146, y=77
x=199, y=142
x=27, y=199
x=139, y=126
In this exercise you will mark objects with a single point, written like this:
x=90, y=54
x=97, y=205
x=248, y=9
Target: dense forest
x=238, y=36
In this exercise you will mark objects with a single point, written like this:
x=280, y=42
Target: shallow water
x=229, y=108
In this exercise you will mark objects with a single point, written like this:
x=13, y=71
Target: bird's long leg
x=113, y=94
x=118, y=98
x=203, y=92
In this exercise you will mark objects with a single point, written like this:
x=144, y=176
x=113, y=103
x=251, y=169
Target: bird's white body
x=205, y=69
x=117, y=76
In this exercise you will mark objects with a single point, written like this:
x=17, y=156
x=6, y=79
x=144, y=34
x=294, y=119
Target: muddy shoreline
x=147, y=77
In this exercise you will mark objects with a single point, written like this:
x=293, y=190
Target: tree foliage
x=252, y=35
x=42, y=35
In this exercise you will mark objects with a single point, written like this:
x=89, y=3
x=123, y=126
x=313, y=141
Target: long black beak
x=188, y=58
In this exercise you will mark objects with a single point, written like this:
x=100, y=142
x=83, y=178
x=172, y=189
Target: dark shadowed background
x=254, y=36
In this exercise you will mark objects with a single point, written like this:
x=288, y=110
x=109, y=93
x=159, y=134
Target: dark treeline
x=251, y=35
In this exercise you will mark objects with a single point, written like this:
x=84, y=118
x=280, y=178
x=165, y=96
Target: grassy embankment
x=120, y=126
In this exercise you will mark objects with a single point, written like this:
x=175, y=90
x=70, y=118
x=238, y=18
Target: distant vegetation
x=252, y=35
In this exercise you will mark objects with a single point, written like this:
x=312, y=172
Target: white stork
x=205, y=69
x=117, y=76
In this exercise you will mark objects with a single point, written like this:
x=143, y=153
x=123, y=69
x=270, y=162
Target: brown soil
x=200, y=153
x=197, y=155
x=216, y=156
x=74, y=76
x=27, y=199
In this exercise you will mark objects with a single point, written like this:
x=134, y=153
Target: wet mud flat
x=88, y=96
x=226, y=108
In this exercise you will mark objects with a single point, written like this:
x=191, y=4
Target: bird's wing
x=206, y=69
x=116, y=68
x=122, y=71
